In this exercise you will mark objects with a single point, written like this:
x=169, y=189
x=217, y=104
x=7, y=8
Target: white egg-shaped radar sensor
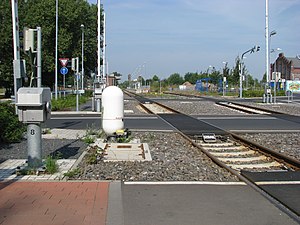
x=112, y=110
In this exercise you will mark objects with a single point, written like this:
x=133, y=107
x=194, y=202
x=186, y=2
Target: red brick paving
x=53, y=203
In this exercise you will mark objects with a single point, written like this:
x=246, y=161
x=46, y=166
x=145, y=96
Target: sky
x=162, y=37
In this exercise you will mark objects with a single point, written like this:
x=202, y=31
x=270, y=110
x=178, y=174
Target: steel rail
x=256, y=187
x=279, y=157
x=294, y=163
x=217, y=101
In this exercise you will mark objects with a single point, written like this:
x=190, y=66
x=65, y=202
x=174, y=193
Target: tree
x=33, y=13
x=6, y=56
x=226, y=71
x=235, y=72
x=175, y=79
x=264, y=79
x=215, y=76
x=191, y=77
x=155, y=78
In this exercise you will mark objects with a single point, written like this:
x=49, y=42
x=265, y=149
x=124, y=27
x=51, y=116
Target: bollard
x=34, y=145
x=93, y=104
x=98, y=105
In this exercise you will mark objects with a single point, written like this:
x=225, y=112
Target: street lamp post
x=82, y=55
x=267, y=43
x=56, y=44
x=241, y=78
x=252, y=50
x=104, y=47
x=99, y=42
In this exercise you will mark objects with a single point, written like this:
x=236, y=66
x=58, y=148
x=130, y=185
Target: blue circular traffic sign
x=64, y=70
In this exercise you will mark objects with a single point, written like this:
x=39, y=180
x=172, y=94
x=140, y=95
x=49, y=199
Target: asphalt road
x=247, y=123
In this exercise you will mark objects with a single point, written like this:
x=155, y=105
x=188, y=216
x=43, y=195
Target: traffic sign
x=64, y=61
x=64, y=70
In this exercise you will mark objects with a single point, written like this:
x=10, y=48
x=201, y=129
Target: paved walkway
x=53, y=203
x=113, y=203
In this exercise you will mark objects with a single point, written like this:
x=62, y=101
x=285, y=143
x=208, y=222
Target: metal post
x=98, y=103
x=39, y=57
x=34, y=145
x=99, y=40
x=240, y=68
x=77, y=86
x=267, y=43
x=104, y=46
x=241, y=79
x=224, y=78
x=15, y=22
x=93, y=104
x=64, y=85
x=224, y=81
x=82, y=56
x=56, y=48
x=16, y=43
x=275, y=84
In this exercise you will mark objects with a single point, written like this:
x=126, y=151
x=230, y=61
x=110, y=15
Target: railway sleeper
x=247, y=159
x=255, y=166
x=225, y=144
x=227, y=154
x=230, y=148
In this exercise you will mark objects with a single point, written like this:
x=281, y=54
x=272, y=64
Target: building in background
x=289, y=67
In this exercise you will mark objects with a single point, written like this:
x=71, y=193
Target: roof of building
x=295, y=61
x=187, y=83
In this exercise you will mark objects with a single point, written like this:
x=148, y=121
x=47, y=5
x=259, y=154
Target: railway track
x=245, y=109
x=227, y=149
x=249, y=161
x=233, y=105
x=240, y=156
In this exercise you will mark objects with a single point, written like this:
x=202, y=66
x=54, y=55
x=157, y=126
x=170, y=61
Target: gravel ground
x=132, y=104
x=285, y=143
x=288, y=108
x=173, y=159
x=200, y=107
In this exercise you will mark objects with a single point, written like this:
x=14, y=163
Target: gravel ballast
x=200, y=108
x=284, y=143
x=173, y=159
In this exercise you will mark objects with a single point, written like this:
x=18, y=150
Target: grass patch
x=88, y=139
x=51, y=165
x=94, y=155
x=91, y=134
x=72, y=173
x=67, y=103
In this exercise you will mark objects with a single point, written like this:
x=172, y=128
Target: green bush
x=11, y=130
x=88, y=93
x=67, y=103
x=51, y=165
x=253, y=93
x=72, y=173
x=259, y=93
